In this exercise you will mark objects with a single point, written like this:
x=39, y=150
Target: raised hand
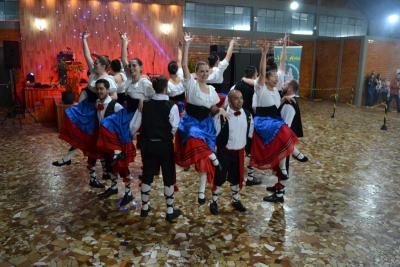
x=264, y=47
x=124, y=36
x=233, y=42
x=187, y=37
x=85, y=35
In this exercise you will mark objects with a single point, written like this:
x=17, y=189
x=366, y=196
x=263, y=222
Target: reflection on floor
x=341, y=209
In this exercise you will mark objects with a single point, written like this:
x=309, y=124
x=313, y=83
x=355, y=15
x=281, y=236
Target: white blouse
x=263, y=97
x=217, y=74
x=176, y=89
x=121, y=87
x=141, y=89
x=196, y=97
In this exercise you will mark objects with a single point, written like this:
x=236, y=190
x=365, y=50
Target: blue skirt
x=267, y=127
x=118, y=124
x=84, y=116
x=203, y=130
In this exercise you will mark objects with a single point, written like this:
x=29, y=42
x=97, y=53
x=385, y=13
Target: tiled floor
x=341, y=209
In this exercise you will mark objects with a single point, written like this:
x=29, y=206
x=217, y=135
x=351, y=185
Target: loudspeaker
x=219, y=50
x=11, y=55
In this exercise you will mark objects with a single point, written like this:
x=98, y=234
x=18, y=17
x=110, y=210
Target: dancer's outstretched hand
x=85, y=35
x=187, y=37
x=264, y=47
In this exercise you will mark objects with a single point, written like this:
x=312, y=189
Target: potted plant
x=73, y=77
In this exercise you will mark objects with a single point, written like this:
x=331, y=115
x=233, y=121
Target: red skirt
x=194, y=151
x=74, y=136
x=107, y=142
x=268, y=156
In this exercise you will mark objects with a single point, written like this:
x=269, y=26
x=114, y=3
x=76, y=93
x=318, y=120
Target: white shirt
x=176, y=89
x=237, y=129
x=281, y=80
x=287, y=113
x=121, y=88
x=217, y=74
x=173, y=116
x=264, y=97
x=92, y=85
x=196, y=97
x=100, y=113
x=141, y=89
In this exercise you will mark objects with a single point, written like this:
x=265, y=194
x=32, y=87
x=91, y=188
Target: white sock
x=297, y=153
x=235, y=193
x=169, y=198
x=116, y=152
x=214, y=159
x=202, y=184
x=282, y=166
x=145, y=191
x=216, y=193
x=114, y=181
x=250, y=172
x=69, y=155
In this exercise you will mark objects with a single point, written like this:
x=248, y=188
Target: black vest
x=271, y=111
x=180, y=97
x=155, y=120
x=131, y=104
x=247, y=93
x=110, y=108
x=223, y=136
x=297, y=126
x=197, y=112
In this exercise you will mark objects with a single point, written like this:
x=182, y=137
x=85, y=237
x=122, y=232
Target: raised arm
x=282, y=60
x=124, y=50
x=86, y=50
x=179, y=58
x=230, y=49
x=188, y=39
x=263, y=63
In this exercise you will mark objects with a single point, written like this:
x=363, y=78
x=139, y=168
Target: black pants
x=230, y=163
x=155, y=155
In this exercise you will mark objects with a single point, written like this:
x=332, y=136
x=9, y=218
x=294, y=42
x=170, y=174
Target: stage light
x=166, y=28
x=393, y=19
x=30, y=77
x=294, y=5
x=40, y=24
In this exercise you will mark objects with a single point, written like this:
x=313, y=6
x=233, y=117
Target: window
x=341, y=26
x=217, y=17
x=9, y=10
x=271, y=20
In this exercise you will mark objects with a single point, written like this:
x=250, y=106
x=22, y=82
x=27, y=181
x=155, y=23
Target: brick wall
x=350, y=63
x=383, y=57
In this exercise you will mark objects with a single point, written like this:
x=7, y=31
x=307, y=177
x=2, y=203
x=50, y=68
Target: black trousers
x=156, y=154
x=230, y=163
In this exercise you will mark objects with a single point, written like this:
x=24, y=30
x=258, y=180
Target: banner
x=293, y=60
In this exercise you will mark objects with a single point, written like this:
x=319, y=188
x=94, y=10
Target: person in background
x=394, y=91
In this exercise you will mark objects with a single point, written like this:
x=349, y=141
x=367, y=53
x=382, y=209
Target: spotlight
x=394, y=18
x=294, y=5
x=166, y=28
x=30, y=77
x=40, y=24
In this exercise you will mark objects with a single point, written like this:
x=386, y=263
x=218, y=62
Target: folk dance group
x=184, y=121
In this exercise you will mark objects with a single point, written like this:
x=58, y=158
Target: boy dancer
x=160, y=121
x=231, y=141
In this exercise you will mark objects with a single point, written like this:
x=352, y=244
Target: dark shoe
x=272, y=189
x=106, y=176
x=237, y=205
x=172, y=216
x=96, y=184
x=126, y=199
x=304, y=159
x=117, y=157
x=109, y=192
x=62, y=163
x=254, y=181
x=186, y=169
x=214, y=207
x=273, y=198
x=145, y=213
x=201, y=201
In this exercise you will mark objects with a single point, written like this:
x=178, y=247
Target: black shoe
x=273, y=198
x=186, y=169
x=304, y=159
x=106, y=176
x=214, y=207
x=117, y=157
x=144, y=213
x=201, y=201
x=126, y=199
x=96, y=184
x=58, y=164
x=254, y=181
x=272, y=189
x=237, y=205
x=172, y=216
x=109, y=192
